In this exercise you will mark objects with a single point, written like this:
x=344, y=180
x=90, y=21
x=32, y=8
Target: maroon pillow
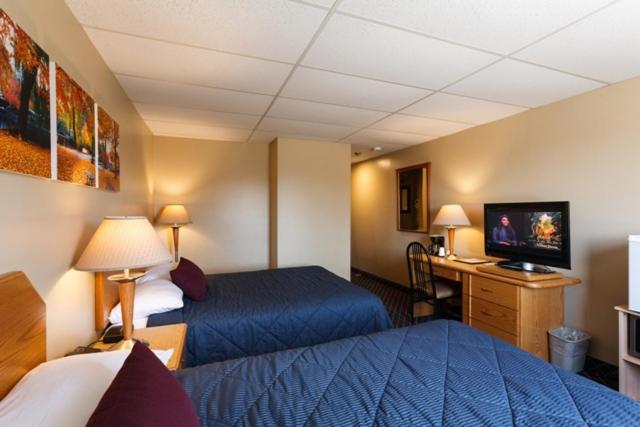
x=190, y=279
x=144, y=393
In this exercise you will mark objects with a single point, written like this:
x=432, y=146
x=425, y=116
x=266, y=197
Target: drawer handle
x=486, y=290
x=486, y=312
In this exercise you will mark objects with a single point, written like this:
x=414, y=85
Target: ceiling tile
x=376, y=136
x=166, y=61
x=419, y=125
x=181, y=130
x=286, y=108
x=251, y=27
x=307, y=130
x=196, y=117
x=322, y=3
x=333, y=88
x=522, y=84
x=370, y=50
x=603, y=46
x=361, y=152
x=197, y=97
x=262, y=137
x=461, y=109
x=497, y=25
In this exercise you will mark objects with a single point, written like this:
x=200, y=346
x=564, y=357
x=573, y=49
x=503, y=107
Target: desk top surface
x=625, y=309
x=507, y=278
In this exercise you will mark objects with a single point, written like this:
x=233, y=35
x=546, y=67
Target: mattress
x=436, y=373
x=260, y=312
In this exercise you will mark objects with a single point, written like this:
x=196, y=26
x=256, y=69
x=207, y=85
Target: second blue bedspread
x=259, y=312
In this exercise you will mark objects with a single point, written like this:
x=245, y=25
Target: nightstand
x=159, y=338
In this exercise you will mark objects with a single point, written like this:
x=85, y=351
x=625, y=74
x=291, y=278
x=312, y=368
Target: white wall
x=584, y=150
x=45, y=225
x=312, y=196
x=225, y=188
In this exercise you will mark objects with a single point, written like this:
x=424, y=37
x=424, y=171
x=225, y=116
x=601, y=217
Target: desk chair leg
x=437, y=309
x=411, y=312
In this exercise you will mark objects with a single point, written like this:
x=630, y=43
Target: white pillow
x=162, y=271
x=156, y=296
x=64, y=392
x=140, y=323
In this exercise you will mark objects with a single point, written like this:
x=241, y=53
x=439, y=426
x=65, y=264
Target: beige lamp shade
x=174, y=215
x=123, y=242
x=451, y=215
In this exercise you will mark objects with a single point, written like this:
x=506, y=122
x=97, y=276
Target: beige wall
x=584, y=150
x=44, y=225
x=225, y=187
x=313, y=203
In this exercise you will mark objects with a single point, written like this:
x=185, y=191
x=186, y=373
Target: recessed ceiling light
x=376, y=148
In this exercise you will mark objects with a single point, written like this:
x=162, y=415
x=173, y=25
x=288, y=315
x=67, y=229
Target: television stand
x=525, y=266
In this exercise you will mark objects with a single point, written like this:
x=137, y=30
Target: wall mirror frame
x=413, y=193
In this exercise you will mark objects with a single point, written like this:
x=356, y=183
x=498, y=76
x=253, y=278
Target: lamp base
x=126, y=292
x=451, y=230
x=176, y=241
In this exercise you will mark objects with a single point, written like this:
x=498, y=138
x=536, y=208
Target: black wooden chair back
x=420, y=272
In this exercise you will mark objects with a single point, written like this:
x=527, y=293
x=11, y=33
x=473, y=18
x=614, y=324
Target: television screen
x=529, y=232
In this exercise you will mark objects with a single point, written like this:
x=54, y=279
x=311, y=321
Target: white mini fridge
x=634, y=273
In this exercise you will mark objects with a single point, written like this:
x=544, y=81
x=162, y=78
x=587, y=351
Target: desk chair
x=424, y=287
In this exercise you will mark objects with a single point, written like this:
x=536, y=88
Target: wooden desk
x=519, y=311
x=160, y=338
x=629, y=365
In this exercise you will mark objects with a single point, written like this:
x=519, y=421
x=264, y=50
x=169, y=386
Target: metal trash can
x=568, y=348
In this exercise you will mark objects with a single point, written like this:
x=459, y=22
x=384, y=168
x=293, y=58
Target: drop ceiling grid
x=508, y=56
x=337, y=8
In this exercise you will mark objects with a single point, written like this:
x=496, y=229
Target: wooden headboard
x=106, y=297
x=22, y=329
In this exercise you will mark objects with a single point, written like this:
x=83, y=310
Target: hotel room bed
x=259, y=312
x=436, y=373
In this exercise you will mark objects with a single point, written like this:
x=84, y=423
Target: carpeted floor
x=397, y=300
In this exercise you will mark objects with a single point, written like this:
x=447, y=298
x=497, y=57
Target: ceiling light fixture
x=376, y=148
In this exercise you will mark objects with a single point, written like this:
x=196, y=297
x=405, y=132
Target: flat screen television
x=530, y=235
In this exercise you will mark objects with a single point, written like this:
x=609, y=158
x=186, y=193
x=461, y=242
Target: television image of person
x=503, y=233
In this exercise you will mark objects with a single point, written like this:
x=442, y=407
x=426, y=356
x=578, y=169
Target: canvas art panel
x=25, y=139
x=75, y=132
x=108, y=152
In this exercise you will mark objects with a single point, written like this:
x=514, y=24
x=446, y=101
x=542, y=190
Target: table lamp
x=176, y=216
x=124, y=243
x=450, y=216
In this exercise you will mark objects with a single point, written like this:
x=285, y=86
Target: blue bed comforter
x=258, y=312
x=437, y=373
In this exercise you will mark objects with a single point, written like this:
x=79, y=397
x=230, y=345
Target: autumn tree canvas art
x=88, y=139
x=25, y=140
x=108, y=152
x=75, y=131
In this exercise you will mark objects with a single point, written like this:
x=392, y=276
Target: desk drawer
x=494, y=291
x=485, y=327
x=495, y=315
x=445, y=273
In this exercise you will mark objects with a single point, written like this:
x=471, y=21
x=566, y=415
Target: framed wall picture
x=75, y=122
x=25, y=138
x=412, y=186
x=108, y=151
x=49, y=126
x=405, y=199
